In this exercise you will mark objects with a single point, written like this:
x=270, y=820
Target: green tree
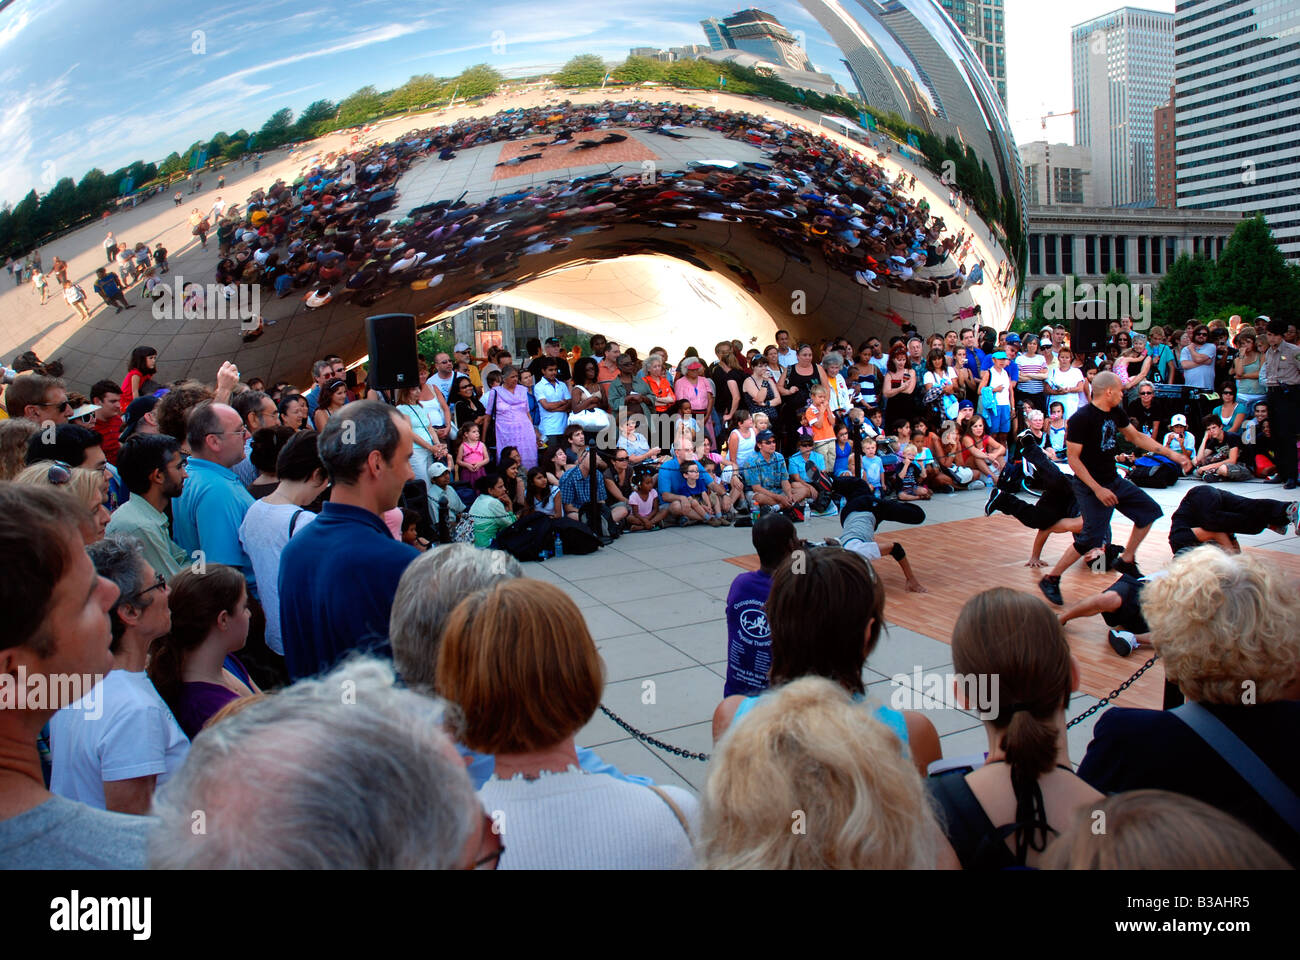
x=639, y=70
x=278, y=129
x=584, y=70
x=359, y=107
x=1252, y=270
x=311, y=122
x=480, y=80
x=1179, y=294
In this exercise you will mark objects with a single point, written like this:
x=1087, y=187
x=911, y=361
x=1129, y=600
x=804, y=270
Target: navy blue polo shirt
x=338, y=577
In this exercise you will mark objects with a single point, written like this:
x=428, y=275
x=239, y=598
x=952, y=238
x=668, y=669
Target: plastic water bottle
x=559, y=546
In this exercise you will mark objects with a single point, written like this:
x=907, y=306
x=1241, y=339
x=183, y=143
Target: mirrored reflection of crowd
x=325, y=237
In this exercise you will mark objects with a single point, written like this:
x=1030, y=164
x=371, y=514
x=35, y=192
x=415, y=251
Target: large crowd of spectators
x=214, y=562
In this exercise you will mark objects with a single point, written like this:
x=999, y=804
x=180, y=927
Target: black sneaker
x=1113, y=552
x=991, y=507
x=1124, y=566
x=1051, y=587
x=1121, y=643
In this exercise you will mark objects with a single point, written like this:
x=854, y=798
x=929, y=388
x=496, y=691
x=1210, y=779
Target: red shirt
x=108, y=431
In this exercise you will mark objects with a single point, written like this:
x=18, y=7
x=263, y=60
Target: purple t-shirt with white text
x=749, y=639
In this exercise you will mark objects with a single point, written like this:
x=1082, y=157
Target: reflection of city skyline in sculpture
x=907, y=57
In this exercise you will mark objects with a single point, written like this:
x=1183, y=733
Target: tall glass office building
x=1237, y=110
x=1122, y=66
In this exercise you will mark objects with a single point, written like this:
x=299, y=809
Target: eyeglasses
x=159, y=583
x=64, y=405
x=58, y=474
x=1146, y=393
x=241, y=432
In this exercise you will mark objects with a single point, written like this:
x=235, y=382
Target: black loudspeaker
x=1088, y=335
x=393, y=360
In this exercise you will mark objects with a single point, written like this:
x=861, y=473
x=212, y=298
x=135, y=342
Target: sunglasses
x=58, y=474
x=64, y=405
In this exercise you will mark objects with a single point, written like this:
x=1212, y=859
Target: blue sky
x=85, y=88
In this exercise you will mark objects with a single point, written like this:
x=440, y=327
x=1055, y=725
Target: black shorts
x=1134, y=503
x=1129, y=615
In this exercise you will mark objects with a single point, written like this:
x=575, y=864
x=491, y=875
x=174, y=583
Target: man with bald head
x=1091, y=438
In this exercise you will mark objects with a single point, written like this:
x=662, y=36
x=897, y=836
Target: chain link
x=704, y=757
x=1114, y=693
x=646, y=738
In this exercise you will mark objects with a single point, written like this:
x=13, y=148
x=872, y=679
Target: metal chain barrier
x=646, y=738
x=1114, y=693
x=687, y=754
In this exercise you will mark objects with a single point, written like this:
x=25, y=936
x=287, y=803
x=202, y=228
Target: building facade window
x=1090, y=254
x=1067, y=253
x=1034, y=263
x=1050, y=253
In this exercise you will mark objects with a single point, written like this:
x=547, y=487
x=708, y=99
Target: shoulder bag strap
x=677, y=811
x=293, y=521
x=1267, y=784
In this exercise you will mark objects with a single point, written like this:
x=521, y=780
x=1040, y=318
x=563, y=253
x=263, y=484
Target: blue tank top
x=890, y=717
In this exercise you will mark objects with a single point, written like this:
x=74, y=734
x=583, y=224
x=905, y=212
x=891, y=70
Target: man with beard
x=154, y=471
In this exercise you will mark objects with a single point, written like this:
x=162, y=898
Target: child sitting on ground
x=647, y=513
x=910, y=486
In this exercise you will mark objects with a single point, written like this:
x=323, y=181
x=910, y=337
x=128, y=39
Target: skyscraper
x=1166, y=130
x=759, y=33
x=1237, y=73
x=1123, y=67
x=981, y=22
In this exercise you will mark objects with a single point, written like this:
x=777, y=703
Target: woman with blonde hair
x=1158, y=830
x=88, y=487
x=14, y=435
x=810, y=781
x=1015, y=667
x=518, y=662
x=1227, y=628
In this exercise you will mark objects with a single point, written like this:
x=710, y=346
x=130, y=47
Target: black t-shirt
x=1219, y=450
x=564, y=374
x=720, y=377
x=1145, y=418
x=1136, y=749
x=1097, y=431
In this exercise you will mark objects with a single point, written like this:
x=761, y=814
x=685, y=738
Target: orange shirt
x=822, y=423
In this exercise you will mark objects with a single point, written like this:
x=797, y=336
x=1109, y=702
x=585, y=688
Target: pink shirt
x=646, y=507
x=698, y=395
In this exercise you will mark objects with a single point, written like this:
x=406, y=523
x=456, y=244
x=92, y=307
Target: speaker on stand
x=394, y=364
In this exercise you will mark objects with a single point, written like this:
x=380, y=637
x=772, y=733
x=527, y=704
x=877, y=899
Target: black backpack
x=527, y=537
x=576, y=537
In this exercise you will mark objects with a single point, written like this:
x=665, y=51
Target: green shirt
x=490, y=518
x=137, y=518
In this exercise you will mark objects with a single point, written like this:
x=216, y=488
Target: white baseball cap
x=437, y=469
x=1178, y=420
x=461, y=347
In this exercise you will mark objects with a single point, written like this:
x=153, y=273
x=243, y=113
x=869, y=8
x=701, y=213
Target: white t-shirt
x=1003, y=379
x=1059, y=379
x=120, y=730
x=263, y=535
x=589, y=821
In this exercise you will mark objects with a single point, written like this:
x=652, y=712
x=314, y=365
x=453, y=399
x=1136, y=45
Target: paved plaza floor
x=655, y=605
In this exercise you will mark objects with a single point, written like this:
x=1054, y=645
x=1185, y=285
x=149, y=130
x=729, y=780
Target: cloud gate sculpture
x=664, y=217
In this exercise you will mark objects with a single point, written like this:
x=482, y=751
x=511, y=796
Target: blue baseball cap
x=1001, y=355
x=965, y=404
x=1013, y=338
